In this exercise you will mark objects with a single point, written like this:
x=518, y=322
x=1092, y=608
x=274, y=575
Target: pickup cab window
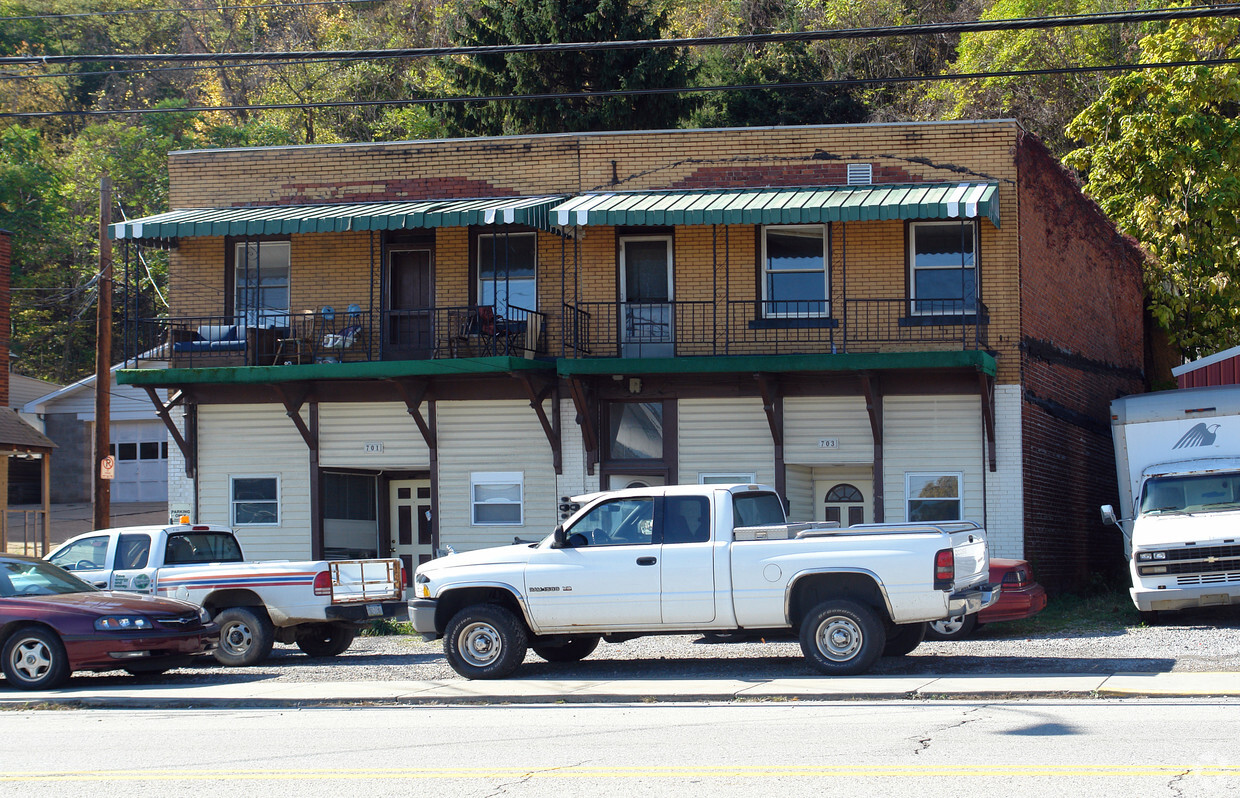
x=757, y=509
x=202, y=547
x=87, y=554
x=620, y=522
x=133, y=551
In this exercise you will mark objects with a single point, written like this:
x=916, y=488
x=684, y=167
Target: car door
x=686, y=561
x=89, y=558
x=608, y=575
x=132, y=569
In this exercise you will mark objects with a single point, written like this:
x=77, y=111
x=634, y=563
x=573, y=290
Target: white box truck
x=1177, y=456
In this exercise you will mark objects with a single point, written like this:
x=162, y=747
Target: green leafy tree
x=1161, y=150
x=493, y=22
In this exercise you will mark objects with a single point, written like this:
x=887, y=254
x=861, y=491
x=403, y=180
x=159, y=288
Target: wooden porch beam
x=414, y=393
x=986, y=387
x=292, y=406
x=771, y=399
x=585, y=419
x=161, y=410
x=874, y=406
x=537, y=397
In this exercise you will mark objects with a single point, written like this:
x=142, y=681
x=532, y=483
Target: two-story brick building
x=403, y=346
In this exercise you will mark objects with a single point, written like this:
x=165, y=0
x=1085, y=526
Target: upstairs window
x=794, y=271
x=942, y=259
x=506, y=271
x=261, y=285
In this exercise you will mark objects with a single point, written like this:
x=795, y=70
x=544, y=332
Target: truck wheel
x=842, y=637
x=903, y=638
x=35, y=659
x=485, y=641
x=576, y=648
x=246, y=636
x=325, y=639
x=957, y=628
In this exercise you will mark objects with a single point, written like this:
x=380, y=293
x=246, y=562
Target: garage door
x=141, y=452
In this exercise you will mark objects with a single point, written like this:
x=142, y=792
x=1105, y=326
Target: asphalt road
x=900, y=749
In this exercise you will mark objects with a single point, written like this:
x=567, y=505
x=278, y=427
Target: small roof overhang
x=338, y=218
x=807, y=205
x=368, y=370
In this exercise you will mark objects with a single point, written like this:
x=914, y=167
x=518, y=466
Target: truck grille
x=1208, y=579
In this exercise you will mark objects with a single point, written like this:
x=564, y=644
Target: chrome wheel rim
x=480, y=644
x=839, y=638
x=236, y=638
x=32, y=659
x=950, y=626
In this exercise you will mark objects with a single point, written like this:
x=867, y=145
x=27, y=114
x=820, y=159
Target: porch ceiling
x=806, y=205
x=345, y=217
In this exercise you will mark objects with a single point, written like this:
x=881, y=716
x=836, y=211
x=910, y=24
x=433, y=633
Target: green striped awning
x=345, y=217
x=784, y=205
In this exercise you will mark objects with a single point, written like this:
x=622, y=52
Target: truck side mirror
x=1108, y=515
x=557, y=537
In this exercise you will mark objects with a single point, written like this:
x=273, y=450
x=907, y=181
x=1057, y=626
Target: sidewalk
x=261, y=693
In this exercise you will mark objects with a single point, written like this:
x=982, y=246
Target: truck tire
x=35, y=659
x=246, y=636
x=957, y=628
x=903, y=638
x=841, y=637
x=575, y=648
x=485, y=641
x=325, y=639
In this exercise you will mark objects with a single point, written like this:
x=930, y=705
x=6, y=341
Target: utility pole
x=103, y=364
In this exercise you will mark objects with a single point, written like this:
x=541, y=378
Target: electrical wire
x=813, y=84
x=928, y=29
x=136, y=11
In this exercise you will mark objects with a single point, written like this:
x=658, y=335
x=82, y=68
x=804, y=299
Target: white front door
x=646, y=312
x=845, y=500
x=409, y=502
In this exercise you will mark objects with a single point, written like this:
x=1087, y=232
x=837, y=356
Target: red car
x=52, y=623
x=1019, y=597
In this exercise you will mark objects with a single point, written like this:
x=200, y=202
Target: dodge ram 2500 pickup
x=701, y=559
x=319, y=605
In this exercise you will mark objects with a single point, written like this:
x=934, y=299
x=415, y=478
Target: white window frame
x=767, y=311
x=726, y=478
x=913, y=268
x=909, y=476
x=477, y=478
x=260, y=317
x=494, y=279
x=232, y=498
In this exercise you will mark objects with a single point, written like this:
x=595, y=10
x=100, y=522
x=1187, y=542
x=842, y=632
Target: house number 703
x=828, y=443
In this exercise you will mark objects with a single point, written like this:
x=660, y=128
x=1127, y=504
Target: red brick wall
x=5, y=298
x=1082, y=345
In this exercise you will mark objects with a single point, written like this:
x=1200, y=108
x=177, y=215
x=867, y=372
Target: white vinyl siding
x=799, y=484
x=346, y=428
x=243, y=440
x=843, y=419
x=932, y=434
x=480, y=436
x=724, y=435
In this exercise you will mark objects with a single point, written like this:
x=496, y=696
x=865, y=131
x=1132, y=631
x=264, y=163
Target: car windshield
x=37, y=578
x=1188, y=494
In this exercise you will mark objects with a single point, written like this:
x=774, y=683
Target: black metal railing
x=871, y=325
x=642, y=329
x=466, y=331
x=269, y=339
x=758, y=327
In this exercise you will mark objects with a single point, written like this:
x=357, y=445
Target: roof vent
x=860, y=174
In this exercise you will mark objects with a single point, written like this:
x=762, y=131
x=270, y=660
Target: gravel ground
x=1205, y=640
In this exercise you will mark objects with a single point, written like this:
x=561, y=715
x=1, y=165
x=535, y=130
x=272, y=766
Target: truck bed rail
x=364, y=580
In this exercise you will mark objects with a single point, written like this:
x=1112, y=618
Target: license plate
x=374, y=610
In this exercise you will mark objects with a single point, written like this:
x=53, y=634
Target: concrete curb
x=519, y=691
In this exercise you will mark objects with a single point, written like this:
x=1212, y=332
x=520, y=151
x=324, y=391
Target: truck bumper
x=368, y=611
x=974, y=599
x=1183, y=598
x=422, y=613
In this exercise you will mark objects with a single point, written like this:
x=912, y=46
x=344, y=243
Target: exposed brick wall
x=1081, y=346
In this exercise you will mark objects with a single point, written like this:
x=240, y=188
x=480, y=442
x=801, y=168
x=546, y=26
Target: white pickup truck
x=319, y=605
x=709, y=559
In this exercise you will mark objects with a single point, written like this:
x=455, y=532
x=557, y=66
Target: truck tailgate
x=972, y=559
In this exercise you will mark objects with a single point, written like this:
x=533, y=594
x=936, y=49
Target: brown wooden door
x=410, y=298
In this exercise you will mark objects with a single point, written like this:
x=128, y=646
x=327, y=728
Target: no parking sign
x=107, y=468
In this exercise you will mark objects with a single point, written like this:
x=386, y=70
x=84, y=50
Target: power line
x=929, y=29
x=133, y=11
x=813, y=84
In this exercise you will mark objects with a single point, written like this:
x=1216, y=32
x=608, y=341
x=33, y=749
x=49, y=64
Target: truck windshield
x=202, y=547
x=1189, y=494
x=757, y=509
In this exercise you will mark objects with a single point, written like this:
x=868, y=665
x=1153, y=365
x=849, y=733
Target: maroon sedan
x=1019, y=597
x=52, y=623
